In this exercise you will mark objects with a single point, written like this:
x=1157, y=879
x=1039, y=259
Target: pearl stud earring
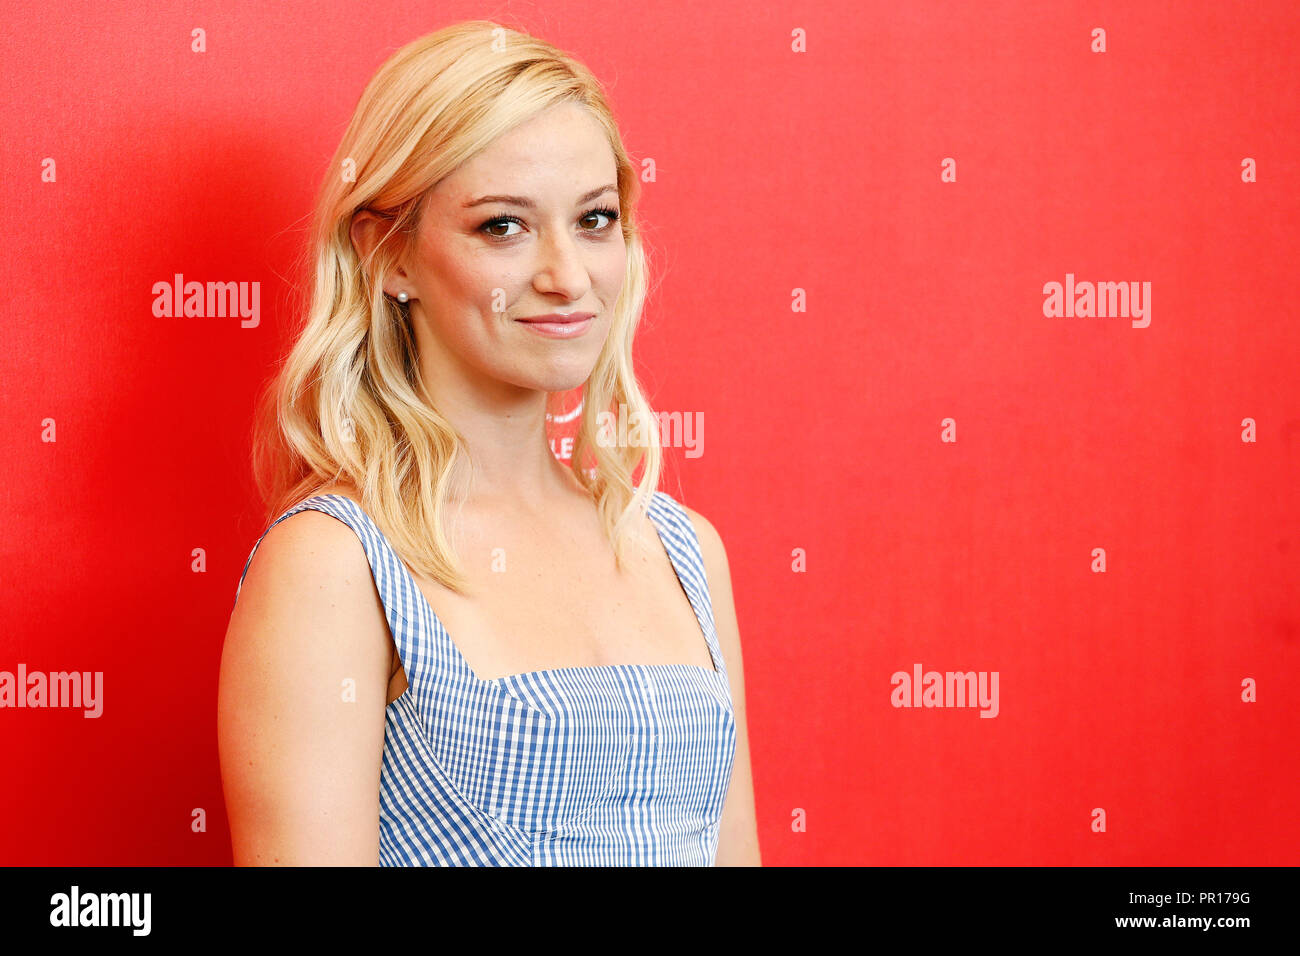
x=403, y=297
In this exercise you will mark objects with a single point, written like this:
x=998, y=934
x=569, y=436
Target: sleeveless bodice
x=625, y=764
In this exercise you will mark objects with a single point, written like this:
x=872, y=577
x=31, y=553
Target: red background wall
x=776, y=170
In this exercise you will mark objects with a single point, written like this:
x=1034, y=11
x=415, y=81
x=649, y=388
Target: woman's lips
x=559, y=326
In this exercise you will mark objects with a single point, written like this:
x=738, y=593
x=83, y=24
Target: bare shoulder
x=308, y=601
x=310, y=551
x=300, y=713
x=711, y=548
x=718, y=571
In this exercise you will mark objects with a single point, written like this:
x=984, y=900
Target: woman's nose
x=561, y=268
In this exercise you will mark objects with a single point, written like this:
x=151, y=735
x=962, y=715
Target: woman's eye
x=503, y=221
x=597, y=215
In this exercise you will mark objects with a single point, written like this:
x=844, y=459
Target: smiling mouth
x=558, y=318
x=559, y=326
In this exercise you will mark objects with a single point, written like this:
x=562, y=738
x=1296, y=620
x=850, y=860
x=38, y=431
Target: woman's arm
x=738, y=838
x=300, y=755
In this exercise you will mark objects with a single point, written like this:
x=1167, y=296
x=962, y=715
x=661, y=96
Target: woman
x=577, y=695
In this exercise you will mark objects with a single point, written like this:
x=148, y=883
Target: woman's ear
x=367, y=229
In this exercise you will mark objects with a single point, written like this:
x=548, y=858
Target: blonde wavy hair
x=348, y=402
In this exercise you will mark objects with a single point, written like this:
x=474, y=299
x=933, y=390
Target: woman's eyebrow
x=529, y=204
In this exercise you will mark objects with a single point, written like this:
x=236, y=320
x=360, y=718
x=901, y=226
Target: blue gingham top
x=623, y=764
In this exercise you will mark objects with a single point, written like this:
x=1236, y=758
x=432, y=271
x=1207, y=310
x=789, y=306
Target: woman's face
x=549, y=242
